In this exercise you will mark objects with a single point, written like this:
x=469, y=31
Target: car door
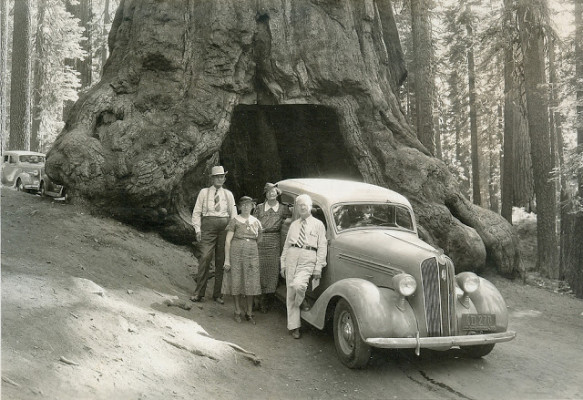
x=9, y=168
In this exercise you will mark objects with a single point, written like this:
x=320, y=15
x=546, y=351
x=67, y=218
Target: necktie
x=302, y=237
x=217, y=201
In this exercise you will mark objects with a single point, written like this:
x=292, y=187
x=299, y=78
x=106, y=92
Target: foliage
x=62, y=37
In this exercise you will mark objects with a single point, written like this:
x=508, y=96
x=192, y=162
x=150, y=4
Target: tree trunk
x=20, y=84
x=573, y=220
x=532, y=39
x=38, y=77
x=326, y=75
x=476, y=193
x=4, y=79
x=507, y=173
x=105, y=30
x=83, y=11
x=423, y=72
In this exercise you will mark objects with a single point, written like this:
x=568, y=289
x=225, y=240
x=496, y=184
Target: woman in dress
x=271, y=214
x=242, y=259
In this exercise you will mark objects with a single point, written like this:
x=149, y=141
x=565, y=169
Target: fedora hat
x=218, y=170
x=269, y=186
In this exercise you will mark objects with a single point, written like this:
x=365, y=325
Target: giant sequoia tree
x=271, y=89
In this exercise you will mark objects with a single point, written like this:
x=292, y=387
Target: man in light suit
x=303, y=256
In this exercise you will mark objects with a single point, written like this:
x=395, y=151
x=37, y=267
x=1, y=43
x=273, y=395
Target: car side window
x=12, y=160
x=318, y=213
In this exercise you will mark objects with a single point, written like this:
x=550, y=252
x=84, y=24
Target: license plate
x=478, y=322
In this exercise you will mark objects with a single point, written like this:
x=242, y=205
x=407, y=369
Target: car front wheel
x=42, y=189
x=477, y=351
x=351, y=349
x=19, y=186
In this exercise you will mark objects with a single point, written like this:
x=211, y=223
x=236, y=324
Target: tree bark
x=20, y=83
x=532, y=38
x=423, y=72
x=572, y=253
x=38, y=77
x=476, y=192
x=143, y=139
x=4, y=79
x=106, y=22
x=507, y=173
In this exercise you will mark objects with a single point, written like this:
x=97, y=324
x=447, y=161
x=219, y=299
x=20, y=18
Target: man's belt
x=304, y=247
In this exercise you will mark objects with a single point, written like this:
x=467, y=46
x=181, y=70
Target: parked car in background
x=25, y=170
x=384, y=287
x=22, y=169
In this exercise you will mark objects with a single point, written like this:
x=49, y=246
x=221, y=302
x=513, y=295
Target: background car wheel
x=351, y=349
x=477, y=351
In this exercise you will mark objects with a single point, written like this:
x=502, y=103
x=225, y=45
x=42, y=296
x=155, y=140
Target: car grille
x=438, y=292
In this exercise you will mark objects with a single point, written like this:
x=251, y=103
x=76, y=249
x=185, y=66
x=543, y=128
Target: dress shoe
x=196, y=298
x=250, y=319
x=305, y=306
x=219, y=300
x=296, y=333
x=237, y=318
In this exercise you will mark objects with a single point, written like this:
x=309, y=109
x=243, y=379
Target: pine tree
x=531, y=15
x=3, y=71
x=20, y=83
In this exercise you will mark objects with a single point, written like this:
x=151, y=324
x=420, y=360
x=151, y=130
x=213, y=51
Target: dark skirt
x=269, y=253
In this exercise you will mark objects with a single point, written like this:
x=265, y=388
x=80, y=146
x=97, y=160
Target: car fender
x=380, y=312
x=24, y=177
x=488, y=300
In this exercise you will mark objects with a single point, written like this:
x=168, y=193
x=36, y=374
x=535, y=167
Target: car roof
x=339, y=191
x=24, y=153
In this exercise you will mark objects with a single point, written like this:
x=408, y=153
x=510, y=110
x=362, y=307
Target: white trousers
x=299, y=266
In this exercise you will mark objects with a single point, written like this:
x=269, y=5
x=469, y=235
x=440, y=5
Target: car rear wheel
x=351, y=349
x=477, y=351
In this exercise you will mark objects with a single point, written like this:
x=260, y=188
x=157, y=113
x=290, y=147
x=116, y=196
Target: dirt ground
x=95, y=309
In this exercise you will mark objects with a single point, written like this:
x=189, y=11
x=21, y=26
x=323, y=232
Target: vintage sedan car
x=25, y=170
x=384, y=287
x=22, y=169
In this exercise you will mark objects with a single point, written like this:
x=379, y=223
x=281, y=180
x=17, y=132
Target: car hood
x=386, y=246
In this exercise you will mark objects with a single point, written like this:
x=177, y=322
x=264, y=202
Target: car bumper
x=441, y=341
x=32, y=186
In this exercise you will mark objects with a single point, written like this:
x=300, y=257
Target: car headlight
x=468, y=281
x=33, y=173
x=405, y=284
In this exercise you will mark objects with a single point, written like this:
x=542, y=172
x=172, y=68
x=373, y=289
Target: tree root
x=196, y=352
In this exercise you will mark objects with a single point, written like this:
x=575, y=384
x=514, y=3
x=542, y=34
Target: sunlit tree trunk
x=4, y=80
x=20, y=84
x=106, y=23
x=507, y=170
x=423, y=72
x=38, y=76
x=572, y=253
x=532, y=39
x=82, y=9
x=476, y=194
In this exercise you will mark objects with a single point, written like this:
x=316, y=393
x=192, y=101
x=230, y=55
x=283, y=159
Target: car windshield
x=356, y=215
x=32, y=159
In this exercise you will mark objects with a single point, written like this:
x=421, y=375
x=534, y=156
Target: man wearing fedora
x=215, y=206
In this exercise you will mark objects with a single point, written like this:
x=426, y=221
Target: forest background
x=494, y=89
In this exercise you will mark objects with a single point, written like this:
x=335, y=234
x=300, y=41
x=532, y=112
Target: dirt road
x=85, y=315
